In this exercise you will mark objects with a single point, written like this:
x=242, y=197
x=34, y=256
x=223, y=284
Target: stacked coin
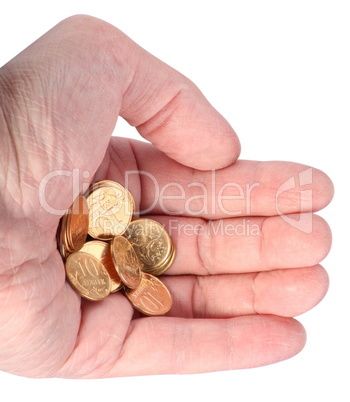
x=152, y=244
x=123, y=254
x=73, y=227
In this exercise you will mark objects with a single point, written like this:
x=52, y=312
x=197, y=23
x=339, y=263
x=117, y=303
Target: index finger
x=246, y=188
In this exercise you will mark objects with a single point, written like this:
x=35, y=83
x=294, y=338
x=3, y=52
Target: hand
x=242, y=270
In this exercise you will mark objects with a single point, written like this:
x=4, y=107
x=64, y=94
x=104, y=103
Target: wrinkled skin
x=234, y=296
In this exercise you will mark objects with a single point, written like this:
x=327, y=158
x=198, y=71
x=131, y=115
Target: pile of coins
x=105, y=251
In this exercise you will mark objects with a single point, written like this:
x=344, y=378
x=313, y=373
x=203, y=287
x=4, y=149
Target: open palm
x=242, y=269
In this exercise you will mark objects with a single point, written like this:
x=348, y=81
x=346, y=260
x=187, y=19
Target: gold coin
x=88, y=276
x=152, y=244
x=126, y=262
x=102, y=251
x=110, y=210
x=77, y=224
x=151, y=297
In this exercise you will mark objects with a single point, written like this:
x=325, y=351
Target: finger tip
x=313, y=287
x=280, y=338
x=298, y=337
x=319, y=279
x=296, y=290
x=229, y=152
x=223, y=149
x=215, y=152
x=291, y=338
x=324, y=189
x=321, y=240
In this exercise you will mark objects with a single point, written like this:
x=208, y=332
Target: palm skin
x=234, y=296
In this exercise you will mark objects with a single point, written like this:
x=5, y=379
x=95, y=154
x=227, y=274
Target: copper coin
x=151, y=297
x=88, y=276
x=117, y=186
x=77, y=223
x=102, y=251
x=61, y=238
x=126, y=262
x=110, y=210
x=152, y=244
x=159, y=270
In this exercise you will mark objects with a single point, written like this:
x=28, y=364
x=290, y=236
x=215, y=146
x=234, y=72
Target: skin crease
x=234, y=296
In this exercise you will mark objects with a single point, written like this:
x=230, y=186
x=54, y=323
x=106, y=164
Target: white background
x=279, y=72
